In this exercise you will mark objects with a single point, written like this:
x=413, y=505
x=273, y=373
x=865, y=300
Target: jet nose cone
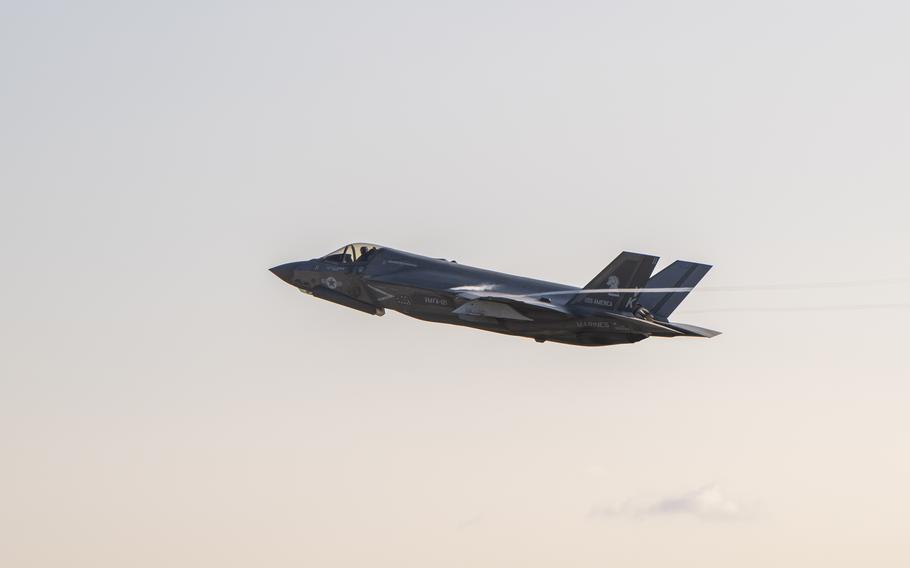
x=285, y=271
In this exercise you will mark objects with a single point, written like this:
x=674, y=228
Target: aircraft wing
x=525, y=308
x=508, y=306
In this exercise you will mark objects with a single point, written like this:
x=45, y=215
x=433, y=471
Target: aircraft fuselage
x=443, y=291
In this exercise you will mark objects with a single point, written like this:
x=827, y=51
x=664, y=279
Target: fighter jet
x=622, y=304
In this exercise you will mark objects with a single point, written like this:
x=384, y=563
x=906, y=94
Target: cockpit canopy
x=356, y=252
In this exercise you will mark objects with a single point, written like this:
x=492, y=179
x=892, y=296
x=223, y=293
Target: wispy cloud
x=705, y=503
x=471, y=522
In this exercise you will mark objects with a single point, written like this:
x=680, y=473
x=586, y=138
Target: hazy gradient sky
x=166, y=401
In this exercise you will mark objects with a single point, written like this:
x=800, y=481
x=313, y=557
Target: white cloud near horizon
x=705, y=503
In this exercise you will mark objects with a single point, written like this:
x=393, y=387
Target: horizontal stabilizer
x=644, y=326
x=692, y=330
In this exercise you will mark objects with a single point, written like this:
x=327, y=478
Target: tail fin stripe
x=616, y=286
x=680, y=274
x=679, y=282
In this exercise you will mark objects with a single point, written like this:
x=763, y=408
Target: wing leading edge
x=508, y=306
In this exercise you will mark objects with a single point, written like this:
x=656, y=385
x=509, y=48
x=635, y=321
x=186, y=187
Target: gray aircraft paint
x=614, y=308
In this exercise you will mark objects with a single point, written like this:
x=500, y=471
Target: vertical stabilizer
x=629, y=270
x=680, y=274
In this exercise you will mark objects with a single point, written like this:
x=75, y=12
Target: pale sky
x=166, y=401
